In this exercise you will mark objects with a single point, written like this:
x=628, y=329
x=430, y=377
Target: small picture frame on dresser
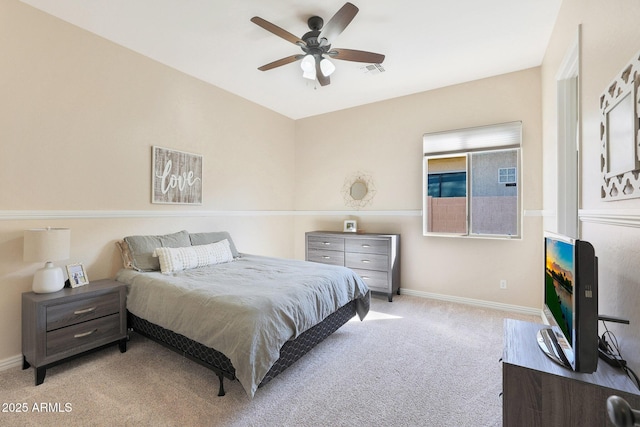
x=350, y=226
x=77, y=275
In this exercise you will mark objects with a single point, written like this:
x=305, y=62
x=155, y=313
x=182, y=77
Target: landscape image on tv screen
x=559, y=276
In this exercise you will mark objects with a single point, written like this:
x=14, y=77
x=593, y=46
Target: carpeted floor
x=413, y=362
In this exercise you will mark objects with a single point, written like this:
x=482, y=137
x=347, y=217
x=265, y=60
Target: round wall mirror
x=358, y=190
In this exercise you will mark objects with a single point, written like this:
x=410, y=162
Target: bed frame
x=290, y=352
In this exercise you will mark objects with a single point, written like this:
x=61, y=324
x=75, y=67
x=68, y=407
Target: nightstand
x=69, y=322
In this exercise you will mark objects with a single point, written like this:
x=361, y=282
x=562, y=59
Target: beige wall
x=78, y=117
x=610, y=38
x=94, y=109
x=385, y=140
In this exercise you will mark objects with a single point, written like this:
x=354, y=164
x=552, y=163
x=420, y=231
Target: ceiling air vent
x=373, y=69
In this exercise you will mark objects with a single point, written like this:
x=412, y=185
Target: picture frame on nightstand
x=350, y=226
x=77, y=275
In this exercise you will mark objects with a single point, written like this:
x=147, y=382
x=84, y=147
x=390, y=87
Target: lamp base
x=48, y=279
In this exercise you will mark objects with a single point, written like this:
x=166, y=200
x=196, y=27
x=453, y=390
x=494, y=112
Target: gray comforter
x=246, y=309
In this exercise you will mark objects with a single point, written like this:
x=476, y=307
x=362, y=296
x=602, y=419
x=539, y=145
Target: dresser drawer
x=83, y=334
x=325, y=257
x=70, y=313
x=369, y=246
x=376, y=280
x=366, y=261
x=326, y=242
x=375, y=257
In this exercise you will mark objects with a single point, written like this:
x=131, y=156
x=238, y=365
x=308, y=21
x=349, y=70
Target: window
x=471, y=182
x=448, y=184
x=507, y=175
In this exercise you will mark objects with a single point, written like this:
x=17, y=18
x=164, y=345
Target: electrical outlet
x=503, y=284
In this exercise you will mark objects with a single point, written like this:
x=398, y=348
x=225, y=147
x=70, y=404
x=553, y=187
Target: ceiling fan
x=316, y=45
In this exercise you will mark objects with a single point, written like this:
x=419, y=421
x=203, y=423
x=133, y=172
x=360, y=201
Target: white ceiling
x=428, y=44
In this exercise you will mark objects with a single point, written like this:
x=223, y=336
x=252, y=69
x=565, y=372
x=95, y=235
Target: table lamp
x=47, y=245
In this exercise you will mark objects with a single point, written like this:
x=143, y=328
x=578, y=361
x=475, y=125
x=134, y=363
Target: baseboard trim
x=11, y=362
x=475, y=302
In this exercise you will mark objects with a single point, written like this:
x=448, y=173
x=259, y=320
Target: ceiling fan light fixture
x=311, y=75
x=308, y=66
x=326, y=67
x=317, y=43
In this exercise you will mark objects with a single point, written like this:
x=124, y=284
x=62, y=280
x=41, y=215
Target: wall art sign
x=176, y=177
x=619, y=139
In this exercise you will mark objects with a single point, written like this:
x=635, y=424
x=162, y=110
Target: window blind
x=481, y=138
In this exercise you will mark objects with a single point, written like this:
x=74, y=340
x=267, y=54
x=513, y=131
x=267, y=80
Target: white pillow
x=178, y=259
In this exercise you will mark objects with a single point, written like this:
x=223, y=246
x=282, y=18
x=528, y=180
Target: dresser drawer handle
x=365, y=277
x=85, y=334
x=326, y=257
x=366, y=246
x=326, y=243
x=86, y=310
x=366, y=261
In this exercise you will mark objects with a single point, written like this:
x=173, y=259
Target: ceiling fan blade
x=338, y=22
x=356, y=55
x=280, y=62
x=322, y=79
x=272, y=28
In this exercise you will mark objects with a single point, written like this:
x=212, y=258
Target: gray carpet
x=413, y=362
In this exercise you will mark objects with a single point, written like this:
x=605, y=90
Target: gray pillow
x=213, y=237
x=142, y=247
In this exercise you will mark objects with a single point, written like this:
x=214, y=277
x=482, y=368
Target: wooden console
x=539, y=392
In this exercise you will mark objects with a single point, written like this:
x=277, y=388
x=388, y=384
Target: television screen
x=559, y=278
x=570, y=303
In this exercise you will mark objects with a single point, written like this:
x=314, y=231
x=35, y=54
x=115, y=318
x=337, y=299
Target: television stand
x=539, y=392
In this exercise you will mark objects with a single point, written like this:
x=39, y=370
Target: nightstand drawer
x=326, y=243
x=368, y=246
x=61, y=315
x=376, y=280
x=367, y=261
x=83, y=334
x=326, y=257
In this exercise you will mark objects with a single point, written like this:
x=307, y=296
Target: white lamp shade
x=308, y=66
x=47, y=244
x=326, y=67
x=311, y=75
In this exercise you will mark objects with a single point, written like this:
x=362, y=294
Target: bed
x=246, y=317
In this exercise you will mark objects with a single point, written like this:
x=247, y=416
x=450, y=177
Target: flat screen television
x=570, y=303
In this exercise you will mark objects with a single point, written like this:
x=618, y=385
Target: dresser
x=539, y=392
x=374, y=257
x=69, y=322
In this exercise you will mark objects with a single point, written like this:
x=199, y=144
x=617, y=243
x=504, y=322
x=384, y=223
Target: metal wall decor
x=619, y=139
x=358, y=190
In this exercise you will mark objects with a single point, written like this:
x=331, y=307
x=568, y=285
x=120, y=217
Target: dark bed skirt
x=290, y=352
